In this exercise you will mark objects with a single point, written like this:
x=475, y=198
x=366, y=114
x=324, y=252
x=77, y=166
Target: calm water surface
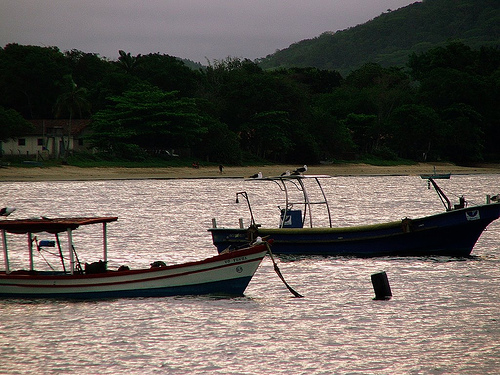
x=444, y=317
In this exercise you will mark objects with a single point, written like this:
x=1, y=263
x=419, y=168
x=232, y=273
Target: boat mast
x=441, y=194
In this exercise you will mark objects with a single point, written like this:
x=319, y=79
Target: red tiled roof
x=77, y=126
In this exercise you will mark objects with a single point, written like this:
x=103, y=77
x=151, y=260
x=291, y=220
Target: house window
x=21, y=142
x=40, y=142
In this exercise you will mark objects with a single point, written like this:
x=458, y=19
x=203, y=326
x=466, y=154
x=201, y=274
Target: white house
x=49, y=139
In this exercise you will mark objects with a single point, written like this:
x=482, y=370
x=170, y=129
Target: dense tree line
x=443, y=106
x=389, y=38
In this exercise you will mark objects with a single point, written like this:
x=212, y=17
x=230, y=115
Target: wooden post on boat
x=71, y=254
x=105, y=242
x=60, y=252
x=381, y=286
x=30, y=248
x=5, y=252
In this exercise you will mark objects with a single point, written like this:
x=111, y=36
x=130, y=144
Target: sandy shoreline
x=70, y=173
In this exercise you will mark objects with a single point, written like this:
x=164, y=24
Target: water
x=444, y=317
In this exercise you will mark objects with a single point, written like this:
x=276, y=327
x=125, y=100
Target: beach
x=72, y=173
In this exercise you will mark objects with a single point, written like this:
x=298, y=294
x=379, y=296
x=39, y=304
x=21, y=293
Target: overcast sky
x=193, y=29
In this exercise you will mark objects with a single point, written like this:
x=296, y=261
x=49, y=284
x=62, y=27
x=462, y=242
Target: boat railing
x=297, y=181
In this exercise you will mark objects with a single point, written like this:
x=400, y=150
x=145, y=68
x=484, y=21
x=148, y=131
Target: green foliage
x=29, y=79
x=72, y=101
x=444, y=107
x=363, y=129
x=149, y=118
x=267, y=135
x=12, y=124
x=128, y=62
x=219, y=145
x=166, y=72
x=465, y=135
x=389, y=38
x=416, y=132
x=462, y=85
x=98, y=76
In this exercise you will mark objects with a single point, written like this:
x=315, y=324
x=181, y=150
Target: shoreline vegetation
x=72, y=173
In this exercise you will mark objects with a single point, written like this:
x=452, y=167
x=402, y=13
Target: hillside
x=389, y=38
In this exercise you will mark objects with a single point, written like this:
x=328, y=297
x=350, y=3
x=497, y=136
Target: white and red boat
x=224, y=274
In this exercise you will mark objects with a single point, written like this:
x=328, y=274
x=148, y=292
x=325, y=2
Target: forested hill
x=391, y=37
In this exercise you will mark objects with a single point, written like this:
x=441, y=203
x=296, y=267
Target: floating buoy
x=381, y=286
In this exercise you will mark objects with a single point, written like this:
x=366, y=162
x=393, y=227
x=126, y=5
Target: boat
x=453, y=232
x=222, y=274
x=436, y=176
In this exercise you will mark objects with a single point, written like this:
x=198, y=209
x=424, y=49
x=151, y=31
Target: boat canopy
x=289, y=177
x=56, y=225
x=296, y=180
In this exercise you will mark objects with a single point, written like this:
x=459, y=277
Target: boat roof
x=289, y=177
x=55, y=225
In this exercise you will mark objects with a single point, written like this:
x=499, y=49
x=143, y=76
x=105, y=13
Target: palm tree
x=72, y=101
x=127, y=61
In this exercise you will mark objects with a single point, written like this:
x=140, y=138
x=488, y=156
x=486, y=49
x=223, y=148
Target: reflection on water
x=443, y=317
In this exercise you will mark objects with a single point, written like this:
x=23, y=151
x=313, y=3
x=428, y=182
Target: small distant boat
x=224, y=274
x=436, y=176
x=450, y=233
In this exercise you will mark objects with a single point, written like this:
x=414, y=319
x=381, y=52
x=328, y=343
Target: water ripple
x=442, y=319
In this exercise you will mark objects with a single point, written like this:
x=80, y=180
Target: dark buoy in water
x=381, y=286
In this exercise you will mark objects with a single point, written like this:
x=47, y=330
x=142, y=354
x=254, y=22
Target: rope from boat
x=40, y=252
x=78, y=265
x=277, y=270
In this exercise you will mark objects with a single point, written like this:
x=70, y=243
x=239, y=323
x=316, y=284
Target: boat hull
x=225, y=274
x=452, y=233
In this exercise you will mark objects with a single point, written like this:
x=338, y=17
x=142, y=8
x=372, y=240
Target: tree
x=13, y=125
x=166, y=72
x=416, y=132
x=219, y=144
x=147, y=118
x=29, y=77
x=363, y=129
x=465, y=137
x=100, y=77
x=127, y=61
x=73, y=101
x=266, y=135
x=333, y=136
x=455, y=55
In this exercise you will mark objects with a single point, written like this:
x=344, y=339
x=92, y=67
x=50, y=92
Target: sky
x=197, y=30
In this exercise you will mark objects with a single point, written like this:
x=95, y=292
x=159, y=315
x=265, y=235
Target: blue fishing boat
x=453, y=232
